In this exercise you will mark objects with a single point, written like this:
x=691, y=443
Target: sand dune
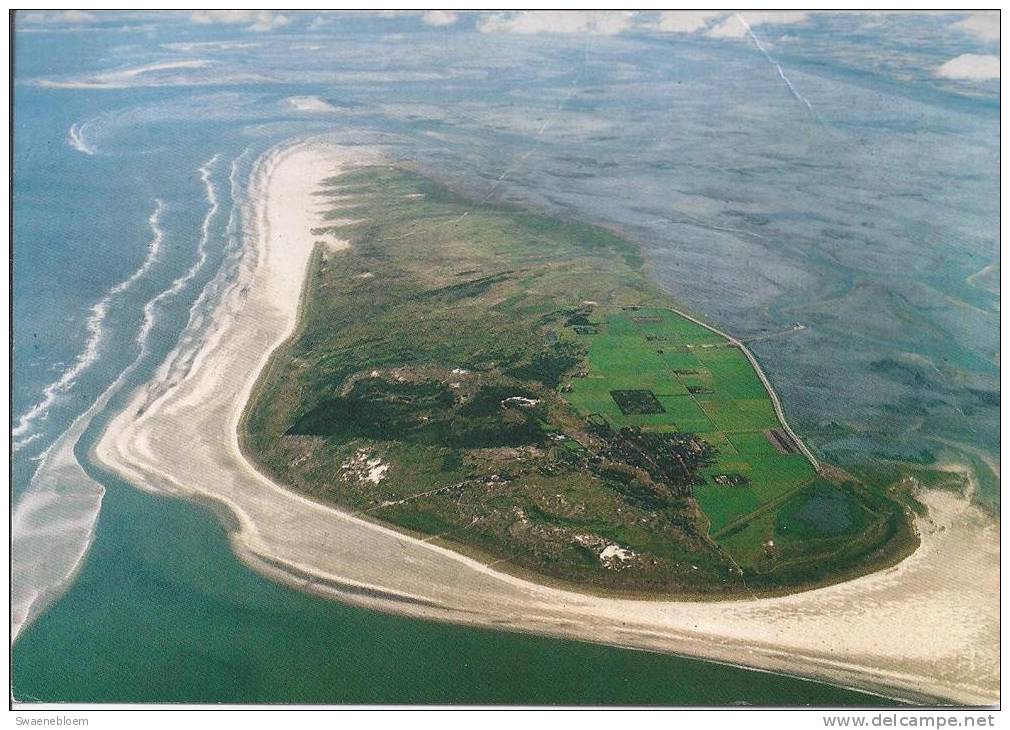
x=926, y=628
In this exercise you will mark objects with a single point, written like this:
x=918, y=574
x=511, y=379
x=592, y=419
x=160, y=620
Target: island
x=286, y=415
x=515, y=387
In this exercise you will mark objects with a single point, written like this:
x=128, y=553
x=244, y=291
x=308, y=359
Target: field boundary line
x=776, y=403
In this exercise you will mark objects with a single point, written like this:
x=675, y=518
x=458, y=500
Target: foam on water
x=96, y=333
x=21, y=443
x=201, y=254
x=75, y=138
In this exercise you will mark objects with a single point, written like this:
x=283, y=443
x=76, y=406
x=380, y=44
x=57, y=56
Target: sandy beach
x=926, y=629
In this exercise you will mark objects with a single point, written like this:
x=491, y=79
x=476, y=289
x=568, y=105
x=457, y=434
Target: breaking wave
x=95, y=327
x=53, y=523
x=201, y=254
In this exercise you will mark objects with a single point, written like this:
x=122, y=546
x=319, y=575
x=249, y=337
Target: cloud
x=970, y=67
x=77, y=16
x=57, y=16
x=984, y=26
x=731, y=27
x=269, y=21
x=586, y=22
x=684, y=21
x=255, y=20
x=228, y=17
x=439, y=17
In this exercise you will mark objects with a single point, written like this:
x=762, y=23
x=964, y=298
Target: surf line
x=95, y=328
x=40, y=575
x=205, y=170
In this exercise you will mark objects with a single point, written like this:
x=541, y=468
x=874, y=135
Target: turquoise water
x=867, y=216
x=163, y=612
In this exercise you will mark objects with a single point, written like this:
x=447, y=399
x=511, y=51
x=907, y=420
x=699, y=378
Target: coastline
x=877, y=633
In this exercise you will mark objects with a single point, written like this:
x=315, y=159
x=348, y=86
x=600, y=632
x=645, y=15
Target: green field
x=514, y=386
x=706, y=386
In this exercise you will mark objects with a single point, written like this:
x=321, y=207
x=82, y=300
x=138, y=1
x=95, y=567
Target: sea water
x=863, y=208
